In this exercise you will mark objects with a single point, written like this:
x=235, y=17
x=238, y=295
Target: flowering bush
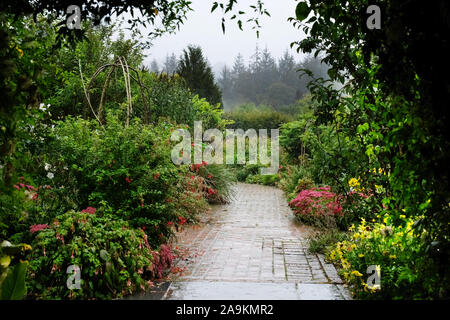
x=114, y=258
x=126, y=168
x=216, y=182
x=406, y=272
x=318, y=205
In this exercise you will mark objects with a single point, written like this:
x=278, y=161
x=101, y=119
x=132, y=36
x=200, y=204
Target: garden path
x=251, y=248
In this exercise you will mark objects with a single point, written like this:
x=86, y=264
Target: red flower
x=182, y=220
x=89, y=210
x=128, y=180
x=169, y=223
x=156, y=176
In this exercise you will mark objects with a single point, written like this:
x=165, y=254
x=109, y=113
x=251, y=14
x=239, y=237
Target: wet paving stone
x=251, y=249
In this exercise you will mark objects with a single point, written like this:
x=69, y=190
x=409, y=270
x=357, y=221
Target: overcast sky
x=203, y=28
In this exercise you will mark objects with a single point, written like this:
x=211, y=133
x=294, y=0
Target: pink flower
x=17, y=187
x=89, y=210
x=38, y=227
x=30, y=188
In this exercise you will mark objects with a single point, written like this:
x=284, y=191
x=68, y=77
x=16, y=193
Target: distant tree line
x=268, y=81
x=263, y=81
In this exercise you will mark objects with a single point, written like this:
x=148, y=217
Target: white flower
x=47, y=166
x=42, y=107
x=50, y=175
x=65, y=168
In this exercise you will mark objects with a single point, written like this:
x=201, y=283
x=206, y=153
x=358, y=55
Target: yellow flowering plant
x=398, y=252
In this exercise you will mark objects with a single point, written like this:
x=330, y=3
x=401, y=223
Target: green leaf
x=302, y=11
x=13, y=287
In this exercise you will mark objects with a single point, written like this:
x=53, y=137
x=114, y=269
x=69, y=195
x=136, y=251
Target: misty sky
x=204, y=28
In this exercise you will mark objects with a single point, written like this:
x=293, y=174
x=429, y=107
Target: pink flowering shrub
x=317, y=206
x=162, y=260
x=89, y=210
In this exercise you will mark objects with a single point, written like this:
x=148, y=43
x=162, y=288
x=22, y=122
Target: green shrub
x=126, y=168
x=243, y=171
x=114, y=258
x=296, y=138
x=406, y=271
x=252, y=117
x=295, y=179
x=323, y=241
x=216, y=182
x=267, y=179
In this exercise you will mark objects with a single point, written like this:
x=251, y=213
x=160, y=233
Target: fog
x=203, y=28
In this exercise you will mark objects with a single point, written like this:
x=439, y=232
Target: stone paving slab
x=253, y=240
x=208, y=290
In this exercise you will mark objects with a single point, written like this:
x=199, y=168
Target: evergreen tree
x=154, y=67
x=170, y=64
x=287, y=69
x=238, y=66
x=194, y=68
x=225, y=81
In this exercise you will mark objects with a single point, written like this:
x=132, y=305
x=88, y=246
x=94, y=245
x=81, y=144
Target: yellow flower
x=402, y=216
x=392, y=256
x=356, y=273
x=361, y=255
x=20, y=52
x=353, y=182
x=332, y=255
